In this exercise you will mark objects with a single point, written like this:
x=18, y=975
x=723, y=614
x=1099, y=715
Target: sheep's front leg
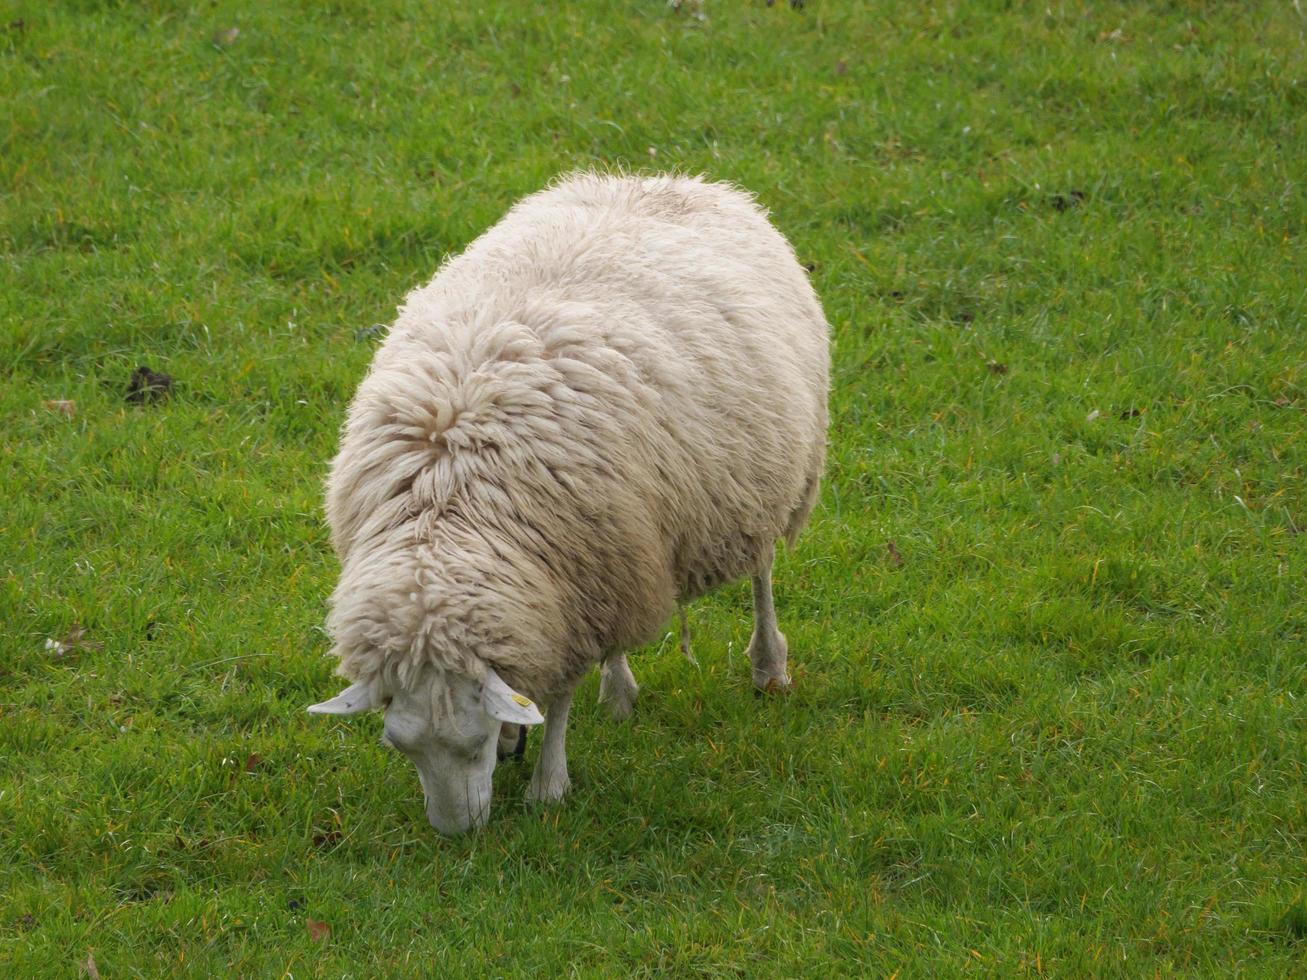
x=549, y=780
x=617, y=686
x=768, y=651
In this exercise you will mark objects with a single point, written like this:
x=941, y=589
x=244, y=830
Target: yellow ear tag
x=522, y=699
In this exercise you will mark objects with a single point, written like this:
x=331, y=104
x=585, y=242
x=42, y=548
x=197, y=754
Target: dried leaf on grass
x=318, y=931
x=327, y=838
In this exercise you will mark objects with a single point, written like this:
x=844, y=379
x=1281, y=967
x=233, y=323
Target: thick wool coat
x=613, y=401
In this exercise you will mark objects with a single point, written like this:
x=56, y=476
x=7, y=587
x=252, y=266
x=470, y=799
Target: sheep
x=611, y=403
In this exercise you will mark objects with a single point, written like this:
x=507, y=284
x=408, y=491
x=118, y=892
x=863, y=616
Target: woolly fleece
x=613, y=401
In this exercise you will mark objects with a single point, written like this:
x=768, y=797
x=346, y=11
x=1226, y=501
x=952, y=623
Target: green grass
x=1061, y=249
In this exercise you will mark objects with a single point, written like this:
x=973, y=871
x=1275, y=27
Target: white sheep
x=611, y=403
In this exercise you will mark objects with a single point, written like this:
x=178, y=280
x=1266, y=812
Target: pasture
x=1047, y=626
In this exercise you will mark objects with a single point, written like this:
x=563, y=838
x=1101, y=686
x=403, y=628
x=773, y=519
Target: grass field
x=1048, y=623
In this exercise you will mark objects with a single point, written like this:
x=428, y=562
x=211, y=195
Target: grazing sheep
x=611, y=403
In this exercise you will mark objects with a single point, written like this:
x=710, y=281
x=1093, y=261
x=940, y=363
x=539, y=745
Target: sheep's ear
x=355, y=698
x=505, y=704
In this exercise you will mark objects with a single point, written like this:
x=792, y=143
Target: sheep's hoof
x=772, y=685
x=547, y=789
x=769, y=655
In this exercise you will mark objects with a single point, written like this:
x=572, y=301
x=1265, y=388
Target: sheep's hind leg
x=768, y=651
x=617, y=686
x=549, y=781
x=512, y=741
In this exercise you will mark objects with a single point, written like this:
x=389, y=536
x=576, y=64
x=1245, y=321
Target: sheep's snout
x=460, y=813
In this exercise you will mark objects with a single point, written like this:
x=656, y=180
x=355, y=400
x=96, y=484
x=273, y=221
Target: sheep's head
x=448, y=725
